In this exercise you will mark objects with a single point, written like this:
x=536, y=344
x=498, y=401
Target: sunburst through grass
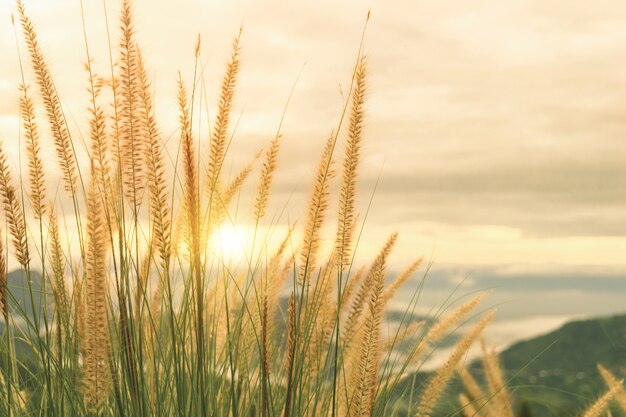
x=230, y=241
x=150, y=297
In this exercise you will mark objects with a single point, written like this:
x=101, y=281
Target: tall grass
x=142, y=317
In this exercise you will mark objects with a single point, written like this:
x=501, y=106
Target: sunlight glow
x=229, y=241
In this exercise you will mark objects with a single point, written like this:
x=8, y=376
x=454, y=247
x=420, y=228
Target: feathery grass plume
x=501, y=400
x=430, y=396
x=270, y=288
x=95, y=342
x=353, y=326
x=58, y=267
x=190, y=192
x=597, y=408
x=364, y=378
x=318, y=205
x=219, y=203
x=351, y=284
x=235, y=185
x=159, y=196
x=37, y=184
x=469, y=410
x=321, y=310
x=13, y=212
x=612, y=381
x=276, y=278
x=132, y=140
x=52, y=104
x=439, y=329
x=219, y=136
x=391, y=289
x=477, y=394
x=345, y=224
x=402, y=334
x=356, y=309
x=59, y=292
x=99, y=146
x=267, y=173
x=191, y=202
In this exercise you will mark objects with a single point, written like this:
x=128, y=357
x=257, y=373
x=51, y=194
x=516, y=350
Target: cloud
x=496, y=124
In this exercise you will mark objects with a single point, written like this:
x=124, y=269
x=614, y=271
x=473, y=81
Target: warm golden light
x=229, y=241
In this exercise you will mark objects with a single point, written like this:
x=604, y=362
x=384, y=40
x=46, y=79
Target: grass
x=142, y=317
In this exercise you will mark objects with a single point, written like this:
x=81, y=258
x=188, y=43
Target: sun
x=229, y=241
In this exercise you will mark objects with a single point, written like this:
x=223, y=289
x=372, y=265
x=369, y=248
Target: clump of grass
x=144, y=318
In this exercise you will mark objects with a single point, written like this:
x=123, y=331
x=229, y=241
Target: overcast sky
x=498, y=129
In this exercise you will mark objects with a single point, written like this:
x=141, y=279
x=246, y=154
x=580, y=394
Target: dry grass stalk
x=267, y=173
x=351, y=284
x=501, y=400
x=220, y=202
x=13, y=212
x=403, y=334
x=190, y=192
x=52, y=104
x=99, y=147
x=132, y=133
x=321, y=311
x=157, y=183
x=364, y=379
x=597, y=408
x=469, y=410
x=477, y=394
x=276, y=276
x=235, y=185
x=442, y=326
x=269, y=289
x=220, y=131
x=58, y=268
x=353, y=322
x=95, y=342
x=612, y=381
x=36, y=179
x=191, y=201
x=439, y=382
x=391, y=290
x=346, y=217
x=318, y=206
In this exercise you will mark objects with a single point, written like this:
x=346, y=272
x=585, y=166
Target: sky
x=494, y=136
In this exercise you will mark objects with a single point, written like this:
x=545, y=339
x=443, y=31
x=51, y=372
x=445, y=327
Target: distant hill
x=555, y=374
x=557, y=371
